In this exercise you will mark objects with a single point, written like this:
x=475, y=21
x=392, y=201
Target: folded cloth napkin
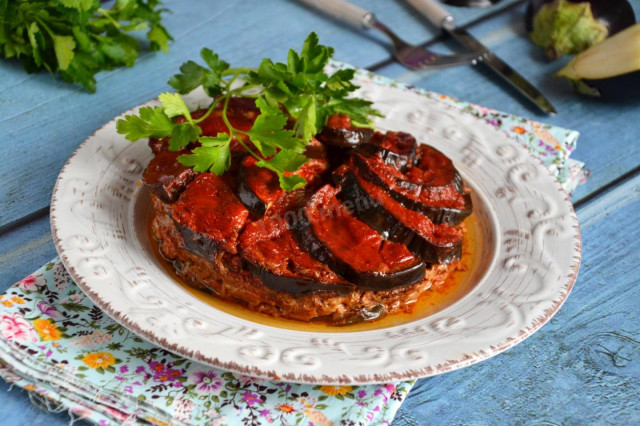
x=70, y=356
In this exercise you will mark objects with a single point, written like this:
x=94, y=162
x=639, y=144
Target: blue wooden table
x=582, y=367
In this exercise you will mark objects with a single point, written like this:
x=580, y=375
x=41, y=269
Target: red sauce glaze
x=167, y=177
x=398, y=142
x=433, y=168
x=209, y=207
x=441, y=234
x=439, y=196
x=313, y=170
x=352, y=241
x=159, y=145
x=262, y=182
x=241, y=113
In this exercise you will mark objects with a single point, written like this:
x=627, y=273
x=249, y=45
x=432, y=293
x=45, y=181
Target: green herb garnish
x=78, y=38
x=299, y=89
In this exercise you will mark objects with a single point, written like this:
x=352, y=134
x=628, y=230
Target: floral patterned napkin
x=57, y=345
x=65, y=351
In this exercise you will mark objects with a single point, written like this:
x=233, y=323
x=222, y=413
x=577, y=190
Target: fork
x=414, y=57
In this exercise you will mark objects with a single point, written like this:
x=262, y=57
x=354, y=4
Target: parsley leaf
x=63, y=46
x=77, y=38
x=194, y=75
x=214, y=155
x=182, y=135
x=308, y=94
x=174, y=105
x=151, y=123
x=284, y=163
x=307, y=125
x=268, y=131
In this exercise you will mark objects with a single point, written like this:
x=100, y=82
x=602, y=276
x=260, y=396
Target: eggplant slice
x=338, y=132
x=344, y=138
x=209, y=216
x=398, y=149
x=609, y=70
x=339, y=138
x=373, y=206
x=350, y=248
x=166, y=177
x=272, y=254
x=441, y=204
x=257, y=187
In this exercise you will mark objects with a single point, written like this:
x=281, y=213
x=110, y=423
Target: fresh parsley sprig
x=78, y=38
x=298, y=91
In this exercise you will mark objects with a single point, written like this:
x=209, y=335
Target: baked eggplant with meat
x=166, y=177
x=373, y=229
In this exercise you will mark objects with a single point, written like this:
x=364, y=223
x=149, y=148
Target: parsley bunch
x=78, y=38
x=298, y=90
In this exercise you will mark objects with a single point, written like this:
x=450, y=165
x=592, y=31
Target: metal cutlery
x=414, y=57
x=445, y=21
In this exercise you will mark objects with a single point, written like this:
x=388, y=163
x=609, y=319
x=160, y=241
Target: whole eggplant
x=572, y=26
x=609, y=70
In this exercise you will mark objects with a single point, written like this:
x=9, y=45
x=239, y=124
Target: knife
x=445, y=21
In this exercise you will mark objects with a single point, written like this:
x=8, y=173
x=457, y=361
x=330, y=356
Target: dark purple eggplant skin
x=398, y=149
x=382, y=221
x=437, y=215
x=197, y=243
x=303, y=231
x=398, y=161
x=616, y=15
x=166, y=177
x=252, y=202
x=339, y=142
x=293, y=285
x=458, y=184
x=344, y=138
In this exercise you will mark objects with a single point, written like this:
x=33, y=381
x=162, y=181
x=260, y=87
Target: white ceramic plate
x=529, y=261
